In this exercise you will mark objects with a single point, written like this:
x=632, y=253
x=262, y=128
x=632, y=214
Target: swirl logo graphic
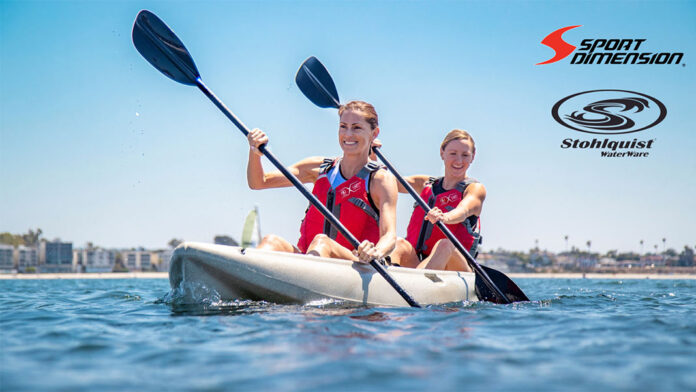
x=609, y=111
x=555, y=41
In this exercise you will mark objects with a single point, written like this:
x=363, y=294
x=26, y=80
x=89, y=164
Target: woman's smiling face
x=457, y=156
x=354, y=133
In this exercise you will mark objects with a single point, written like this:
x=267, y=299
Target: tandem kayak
x=235, y=273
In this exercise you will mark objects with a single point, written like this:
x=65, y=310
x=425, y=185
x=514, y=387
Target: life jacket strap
x=371, y=212
x=426, y=228
x=368, y=169
x=335, y=209
x=471, y=223
x=326, y=165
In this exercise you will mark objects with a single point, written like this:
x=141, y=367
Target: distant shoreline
x=590, y=275
x=99, y=275
x=165, y=275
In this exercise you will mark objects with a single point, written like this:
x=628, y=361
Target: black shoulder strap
x=426, y=227
x=324, y=168
x=326, y=165
x=461, y=187
x=368, y=169
x=431, y=182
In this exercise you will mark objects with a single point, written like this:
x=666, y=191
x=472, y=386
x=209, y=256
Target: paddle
x=491, y=285
x=165, y=51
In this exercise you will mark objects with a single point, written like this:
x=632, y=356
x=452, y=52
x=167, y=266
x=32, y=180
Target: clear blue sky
x=96, y=145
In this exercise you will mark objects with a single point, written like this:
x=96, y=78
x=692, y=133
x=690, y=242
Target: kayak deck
x=235, y=273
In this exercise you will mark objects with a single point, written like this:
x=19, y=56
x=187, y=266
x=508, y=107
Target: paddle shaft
x=472, y=262
x=308, y=195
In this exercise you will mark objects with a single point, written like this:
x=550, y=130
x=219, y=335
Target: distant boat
x=251, y=233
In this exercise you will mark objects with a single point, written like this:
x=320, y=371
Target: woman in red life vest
x=361, y=194
x=455, y=200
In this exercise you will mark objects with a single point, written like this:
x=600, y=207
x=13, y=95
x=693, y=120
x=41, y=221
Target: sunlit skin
x=457, y=156
x=355, y=137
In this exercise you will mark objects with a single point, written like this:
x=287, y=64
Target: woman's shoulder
x=382, y=176
x=311, y=163
x=307, y=169
x=475, y=187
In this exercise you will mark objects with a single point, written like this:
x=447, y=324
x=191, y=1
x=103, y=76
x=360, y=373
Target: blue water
x=578, y=335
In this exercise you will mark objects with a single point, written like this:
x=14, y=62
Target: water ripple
x=118, y=335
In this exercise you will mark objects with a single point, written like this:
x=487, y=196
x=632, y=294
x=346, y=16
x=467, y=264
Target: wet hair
x=457, y=134
x=365, y=109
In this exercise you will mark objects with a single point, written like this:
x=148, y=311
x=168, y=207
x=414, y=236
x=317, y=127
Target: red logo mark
x=555, y=42
x=447, y=199
x=354, y=187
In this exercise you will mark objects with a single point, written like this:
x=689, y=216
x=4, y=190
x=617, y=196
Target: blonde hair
x=366, y=110
x=457, y=134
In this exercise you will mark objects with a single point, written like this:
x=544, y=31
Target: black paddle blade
x=316, y=84
x=163, y=49
x=505, y=284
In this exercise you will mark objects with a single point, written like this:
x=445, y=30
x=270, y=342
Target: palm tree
x=664, y=241
x=641, y=247
x=566, y=242
x=589, y=246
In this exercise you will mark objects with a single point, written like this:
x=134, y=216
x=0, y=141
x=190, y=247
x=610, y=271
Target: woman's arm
x=471, y=204
x=305, y=170
x=417, y=182
x=384, y=193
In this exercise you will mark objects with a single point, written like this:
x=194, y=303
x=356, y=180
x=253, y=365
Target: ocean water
x=120, y=335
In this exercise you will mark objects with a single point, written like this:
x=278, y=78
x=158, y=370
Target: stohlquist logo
x=606, y=50
x=609, y=112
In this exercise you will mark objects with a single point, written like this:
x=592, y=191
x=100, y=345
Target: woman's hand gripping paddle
x=165, y=51
x=491, y=285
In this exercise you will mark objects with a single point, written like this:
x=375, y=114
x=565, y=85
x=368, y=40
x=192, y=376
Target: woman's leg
x=445, y=257
x=323, y=246
x=276, y=243
x=404, y=254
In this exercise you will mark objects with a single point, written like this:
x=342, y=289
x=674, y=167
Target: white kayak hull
x=237, y=274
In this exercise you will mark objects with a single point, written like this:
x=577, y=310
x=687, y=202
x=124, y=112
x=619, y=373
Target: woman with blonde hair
x=455, y=200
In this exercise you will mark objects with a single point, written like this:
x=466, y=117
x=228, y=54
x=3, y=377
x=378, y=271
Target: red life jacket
x=349, y=202
x=423, y=235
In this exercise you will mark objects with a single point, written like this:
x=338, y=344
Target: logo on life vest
x=452, y=198
x=354, y=187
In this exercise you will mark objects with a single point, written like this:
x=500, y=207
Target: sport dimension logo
x=609, y=112
x=606, y=50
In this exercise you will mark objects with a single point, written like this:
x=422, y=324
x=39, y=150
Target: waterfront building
x=139, y=260
x=56, y=256
x=94, y=260
x=607, y=262
x=652, y=260
x=7, y=263
x=27, y=258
